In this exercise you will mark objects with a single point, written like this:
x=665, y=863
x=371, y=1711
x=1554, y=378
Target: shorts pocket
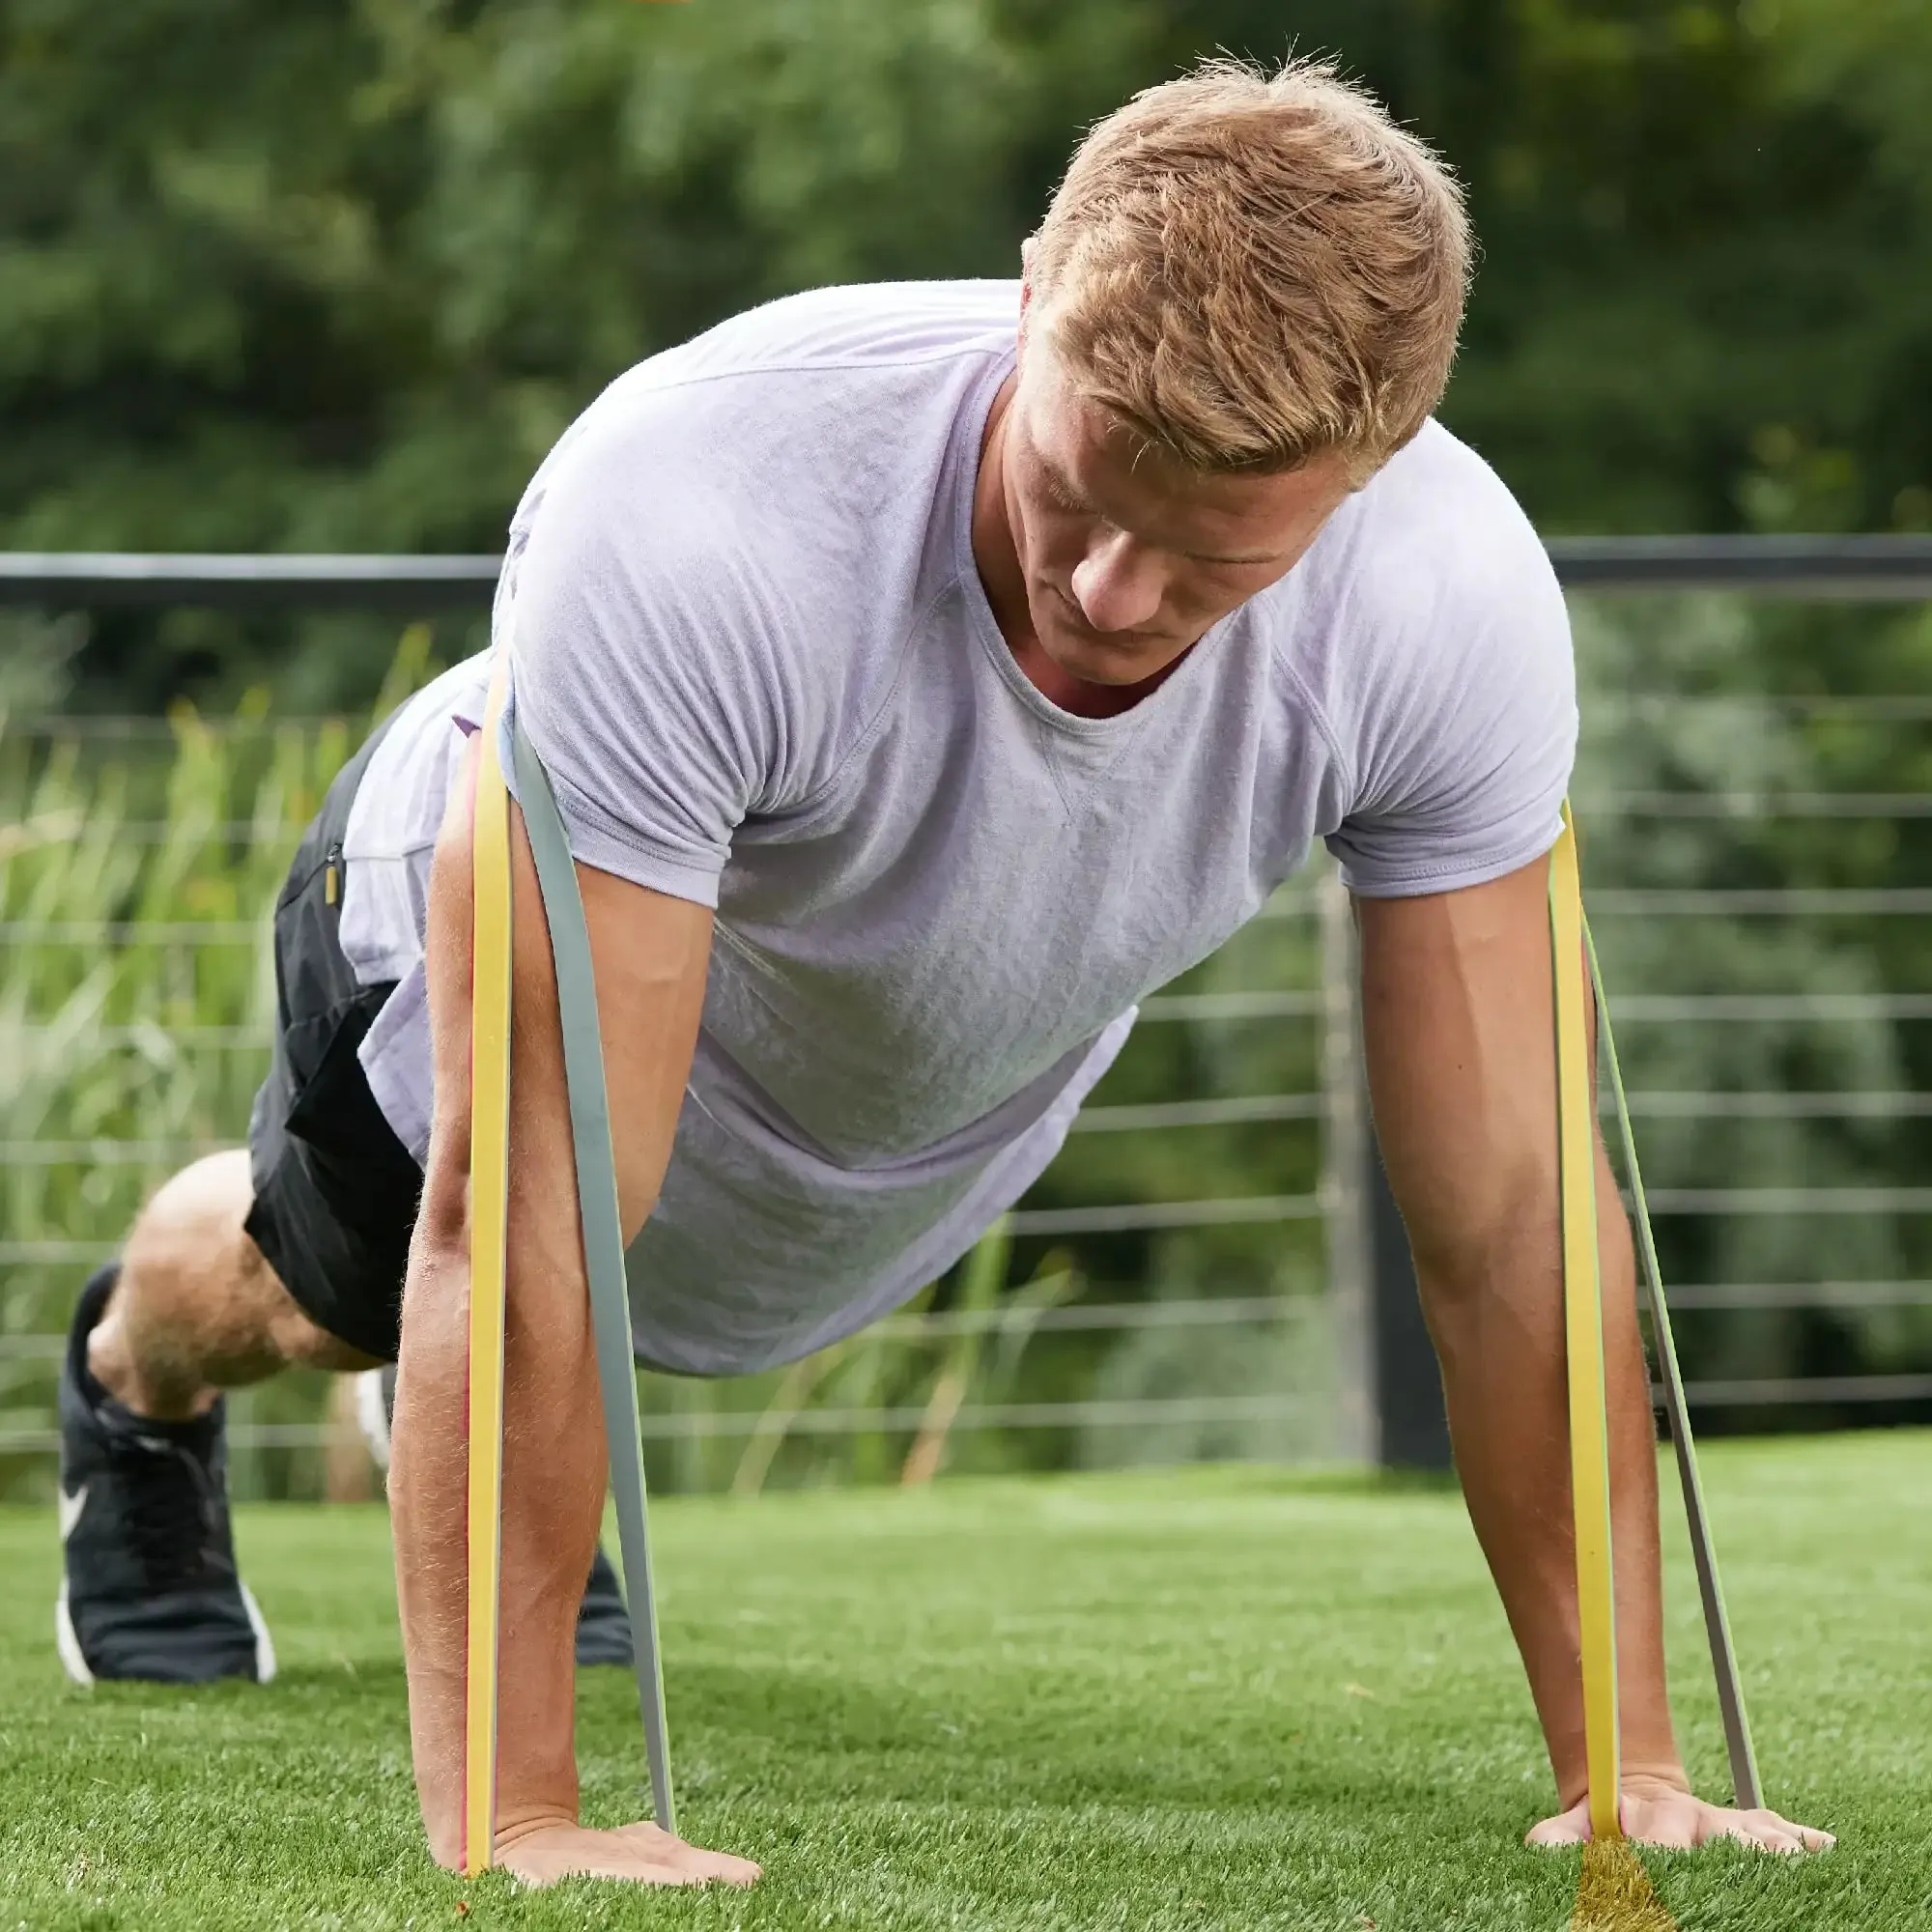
x=332, y=1104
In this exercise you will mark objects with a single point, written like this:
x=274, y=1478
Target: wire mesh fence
x=1191, y=1276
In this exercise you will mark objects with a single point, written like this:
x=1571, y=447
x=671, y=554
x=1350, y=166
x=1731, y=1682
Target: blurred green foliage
x=138, y=873
x=309, y=276
x=1709, y=726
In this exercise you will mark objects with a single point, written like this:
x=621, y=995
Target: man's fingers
x=545, y=1866
x=1554, y=1833
x=1779, y=1834
x=720, y=1866
x=657, y=1844
x=1761, y=1834
x=1569, y=1827
x=641, y=1854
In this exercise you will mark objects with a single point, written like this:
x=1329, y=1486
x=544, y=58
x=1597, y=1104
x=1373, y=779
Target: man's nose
x=1118, y=584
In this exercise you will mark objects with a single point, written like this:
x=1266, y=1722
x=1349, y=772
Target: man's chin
x=1094, y=661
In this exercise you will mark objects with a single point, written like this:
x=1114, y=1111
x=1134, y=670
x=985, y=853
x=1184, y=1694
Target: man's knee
x=191, y=1229
x=190, y=1267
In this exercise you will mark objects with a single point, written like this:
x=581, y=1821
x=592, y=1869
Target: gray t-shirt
x=749, y=645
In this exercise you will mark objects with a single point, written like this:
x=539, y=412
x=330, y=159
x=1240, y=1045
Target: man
x=925, y=673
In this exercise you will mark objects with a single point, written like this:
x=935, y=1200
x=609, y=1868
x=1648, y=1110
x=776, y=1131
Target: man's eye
x=1062, y=497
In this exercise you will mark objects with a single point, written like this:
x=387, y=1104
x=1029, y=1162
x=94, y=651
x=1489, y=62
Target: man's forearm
x=427, y=1471
x=553, y=1495
x=650, y=955
x=1504, y=1378
x=1461, y=1069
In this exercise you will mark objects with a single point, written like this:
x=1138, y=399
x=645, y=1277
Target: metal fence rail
x=1808, y=567
x=1895, y=569
x=746, y=1422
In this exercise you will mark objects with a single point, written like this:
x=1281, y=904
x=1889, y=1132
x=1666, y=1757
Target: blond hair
x=1251, y=268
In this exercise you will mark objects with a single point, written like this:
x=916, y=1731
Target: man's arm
x=650, y=954
x=1459, y=1033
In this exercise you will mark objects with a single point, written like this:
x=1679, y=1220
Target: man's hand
x=645, y=1854
x=1657, y=1811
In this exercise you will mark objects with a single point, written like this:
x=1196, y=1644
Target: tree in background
x=304, y=276
x=315, y=276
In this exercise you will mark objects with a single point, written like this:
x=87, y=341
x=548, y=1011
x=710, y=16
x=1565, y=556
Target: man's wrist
x=529, y=1820
x=1648, y=1775
x=445, y=1834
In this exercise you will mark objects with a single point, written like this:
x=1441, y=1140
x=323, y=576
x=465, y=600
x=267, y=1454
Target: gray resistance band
x=603, y=1238
x=1716, y=1622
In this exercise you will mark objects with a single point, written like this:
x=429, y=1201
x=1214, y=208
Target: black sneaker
x=602, y=1624
x=150, y=1588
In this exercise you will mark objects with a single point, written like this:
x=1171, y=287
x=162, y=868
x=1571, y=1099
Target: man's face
x=1129, y=556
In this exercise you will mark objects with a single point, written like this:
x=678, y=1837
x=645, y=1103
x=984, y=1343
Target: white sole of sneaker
x=76, y=1665
x=67, y=1643
x=373, y=1416
x=265, y=1645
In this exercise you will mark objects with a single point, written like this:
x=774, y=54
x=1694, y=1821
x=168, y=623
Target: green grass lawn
x=1228, y=1697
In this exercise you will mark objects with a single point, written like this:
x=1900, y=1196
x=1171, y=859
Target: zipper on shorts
x=331, y=878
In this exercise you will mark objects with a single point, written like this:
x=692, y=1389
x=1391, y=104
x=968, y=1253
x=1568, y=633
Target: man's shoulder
x=755, y=519
x=1438, y=521
x=864, y=324
x=1429, y=586
x=1444, y=669
x=818, y=409
x=1431, y=571
x=824, y=342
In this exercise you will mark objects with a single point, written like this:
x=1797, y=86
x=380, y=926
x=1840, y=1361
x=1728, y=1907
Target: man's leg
x=198, y=1309
x=151, y=1588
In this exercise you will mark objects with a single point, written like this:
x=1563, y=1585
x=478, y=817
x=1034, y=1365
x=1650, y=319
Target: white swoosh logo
x=71, y=1507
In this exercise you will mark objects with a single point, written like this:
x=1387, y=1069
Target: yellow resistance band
x=489, y=1225
x=1584, y=1324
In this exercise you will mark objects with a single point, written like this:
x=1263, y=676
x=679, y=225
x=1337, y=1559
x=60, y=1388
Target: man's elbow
x=1483, y=1260
x=436, y=1286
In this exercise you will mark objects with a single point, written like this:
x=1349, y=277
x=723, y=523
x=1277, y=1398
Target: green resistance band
x=1749, y=1793
x=1589, y=1437
x=603, y=1240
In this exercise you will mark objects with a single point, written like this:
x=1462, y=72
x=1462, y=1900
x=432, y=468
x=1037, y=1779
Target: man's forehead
x=1096, y=449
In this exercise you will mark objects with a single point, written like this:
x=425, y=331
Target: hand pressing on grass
x=1657, y=1811
x=645, y=1853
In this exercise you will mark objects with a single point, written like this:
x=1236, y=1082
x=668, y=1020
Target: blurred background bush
x=311, y=276
x=299, y=275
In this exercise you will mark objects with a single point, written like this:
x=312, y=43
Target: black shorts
x=336, y=1193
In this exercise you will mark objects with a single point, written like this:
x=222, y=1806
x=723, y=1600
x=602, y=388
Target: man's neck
x=997, y=558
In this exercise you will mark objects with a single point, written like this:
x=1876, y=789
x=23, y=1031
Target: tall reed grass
x=137, y=876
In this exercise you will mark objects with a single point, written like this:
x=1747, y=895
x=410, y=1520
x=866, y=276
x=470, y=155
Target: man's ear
x=1026, y=285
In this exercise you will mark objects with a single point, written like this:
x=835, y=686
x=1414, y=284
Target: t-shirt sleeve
x=1462, y=774
x=637, y=671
